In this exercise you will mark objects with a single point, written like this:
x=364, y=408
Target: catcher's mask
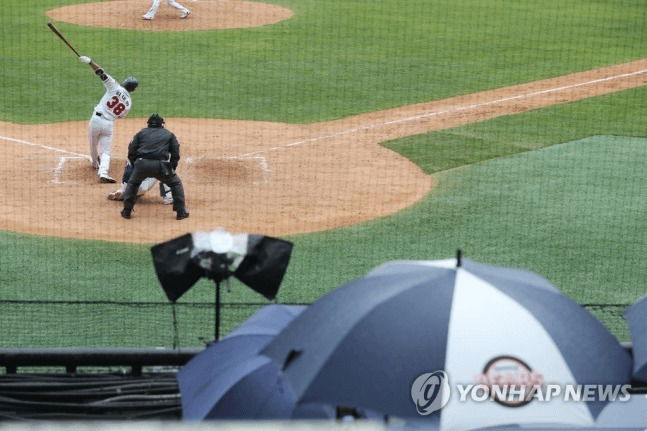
x=155, y=121
x=130, y=84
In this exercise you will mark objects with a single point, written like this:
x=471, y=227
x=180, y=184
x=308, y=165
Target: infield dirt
x=257, y=177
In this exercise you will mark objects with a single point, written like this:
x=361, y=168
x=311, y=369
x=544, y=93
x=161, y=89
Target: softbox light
x=175, y=269
x=257, y=261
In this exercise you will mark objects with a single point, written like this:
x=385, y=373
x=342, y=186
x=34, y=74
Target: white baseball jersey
x=116, y=102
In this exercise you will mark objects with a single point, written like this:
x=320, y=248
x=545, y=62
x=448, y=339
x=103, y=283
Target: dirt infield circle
x=205, y=15
x=257, y=177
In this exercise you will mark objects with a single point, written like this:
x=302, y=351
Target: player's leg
x=146, y=185
x=165, y=193
x=118, y=195
x=142, y=170
x=184, y=12
x=105, y=149
x=128, y=170
x=155, y=4
x=177, y=190
x=93, y=141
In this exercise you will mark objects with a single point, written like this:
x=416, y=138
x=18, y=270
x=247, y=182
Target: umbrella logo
x=430, y=392
x=510, y=381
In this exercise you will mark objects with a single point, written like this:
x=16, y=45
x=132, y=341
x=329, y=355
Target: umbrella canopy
x=229, y=380
x=626, y=413
x=412, y=325
x=636, y=317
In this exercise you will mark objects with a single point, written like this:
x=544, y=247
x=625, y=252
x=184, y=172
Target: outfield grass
x=614, y=114
x=521, y=190
x=334, y=58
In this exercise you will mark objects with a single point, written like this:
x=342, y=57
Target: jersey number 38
x=116, y=106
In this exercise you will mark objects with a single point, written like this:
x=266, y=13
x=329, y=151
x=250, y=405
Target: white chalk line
x=438, y=113
x=45, y=147
x=58, y=170
x=263, y=161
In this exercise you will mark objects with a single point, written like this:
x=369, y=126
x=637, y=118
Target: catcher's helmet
x=155, y=121
x=130, y=83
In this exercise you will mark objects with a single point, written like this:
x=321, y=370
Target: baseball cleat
x=182, y=215
x=126, y=213
x=107, y=180
x=185, y=14
x=117, y=195
x=147, y=17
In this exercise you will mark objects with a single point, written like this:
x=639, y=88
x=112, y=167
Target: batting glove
x=84, y=59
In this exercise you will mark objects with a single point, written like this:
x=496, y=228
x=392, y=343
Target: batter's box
x=224, y=171
x=78, y=170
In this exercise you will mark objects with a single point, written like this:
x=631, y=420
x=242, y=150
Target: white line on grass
x=263, y=161
x=446, y=111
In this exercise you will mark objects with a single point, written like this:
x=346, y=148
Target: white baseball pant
x=100, y=141
x=156, y=4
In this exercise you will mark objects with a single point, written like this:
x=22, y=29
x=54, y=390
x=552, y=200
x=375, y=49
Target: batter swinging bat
x=58, y=33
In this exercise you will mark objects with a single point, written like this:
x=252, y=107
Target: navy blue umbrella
x=625, y=413
x=619, y=415
x=401, y=339
x=636, y=317
x=229, y=380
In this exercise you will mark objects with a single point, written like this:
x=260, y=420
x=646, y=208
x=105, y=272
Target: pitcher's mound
x=205, y=15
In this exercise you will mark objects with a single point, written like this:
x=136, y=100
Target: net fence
x=154, y=325
x=361, y=131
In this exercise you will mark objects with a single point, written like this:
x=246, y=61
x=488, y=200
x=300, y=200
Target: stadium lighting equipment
x=257, y=261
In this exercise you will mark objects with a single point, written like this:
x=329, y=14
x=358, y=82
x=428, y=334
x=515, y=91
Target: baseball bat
x=58, y=33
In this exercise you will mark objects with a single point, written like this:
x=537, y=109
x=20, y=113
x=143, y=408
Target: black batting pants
x=145, y=168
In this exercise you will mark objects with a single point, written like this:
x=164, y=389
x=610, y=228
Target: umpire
x=154, y=152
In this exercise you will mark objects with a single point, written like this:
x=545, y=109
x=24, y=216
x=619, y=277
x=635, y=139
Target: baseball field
x=362, y=131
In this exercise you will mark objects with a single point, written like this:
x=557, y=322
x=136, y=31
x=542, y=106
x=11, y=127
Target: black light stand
x=216, y=269
x=216, y=334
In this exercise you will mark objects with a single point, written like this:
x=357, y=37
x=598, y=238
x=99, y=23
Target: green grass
x=334, y=58
x=613, y=114
x=575, y=213
x=565, y=211
x=521, y=190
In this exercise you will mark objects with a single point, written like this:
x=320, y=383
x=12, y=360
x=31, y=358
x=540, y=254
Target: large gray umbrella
x=389, y=342
x=229, y=380
x=636, y=317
